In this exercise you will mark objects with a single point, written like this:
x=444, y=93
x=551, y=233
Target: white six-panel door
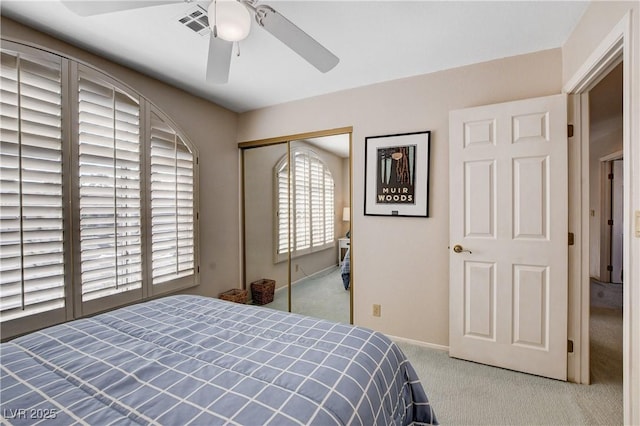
x=509, y=218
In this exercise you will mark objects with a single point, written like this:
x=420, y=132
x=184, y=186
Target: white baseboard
x=419, y=343
x=322, y=271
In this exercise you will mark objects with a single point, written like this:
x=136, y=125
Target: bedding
x=345, y=269
x=192, y=360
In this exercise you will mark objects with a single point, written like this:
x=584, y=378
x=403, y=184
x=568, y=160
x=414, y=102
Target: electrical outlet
x=376, y=310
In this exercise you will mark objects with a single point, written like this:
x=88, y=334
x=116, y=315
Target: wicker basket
x=235, y=295
x=262, y=291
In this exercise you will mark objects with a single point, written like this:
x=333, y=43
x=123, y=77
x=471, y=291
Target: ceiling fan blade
x=219, y=60
x=99, y=7
x=299, y=41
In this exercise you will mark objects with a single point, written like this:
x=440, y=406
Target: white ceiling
x=375, y=41
x=337, y=144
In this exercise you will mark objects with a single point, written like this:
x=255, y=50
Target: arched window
x=109, y=187
x=172, y=200
x=99, y=193
x=307, y=196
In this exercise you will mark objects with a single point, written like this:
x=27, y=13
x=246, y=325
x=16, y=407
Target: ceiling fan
x=230, y=22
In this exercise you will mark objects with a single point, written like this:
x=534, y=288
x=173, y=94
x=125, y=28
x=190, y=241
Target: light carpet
x=320, y=296
x=466, y=393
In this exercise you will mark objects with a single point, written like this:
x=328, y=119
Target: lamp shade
x=232, y=19
x=346, y=214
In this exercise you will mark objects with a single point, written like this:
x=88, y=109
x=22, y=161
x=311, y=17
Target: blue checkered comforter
x=190, y=360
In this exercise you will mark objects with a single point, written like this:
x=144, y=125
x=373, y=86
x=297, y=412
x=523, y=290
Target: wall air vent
x=196, y=20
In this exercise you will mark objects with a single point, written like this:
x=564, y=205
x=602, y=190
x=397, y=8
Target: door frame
x=613, y=49
x=606, y=196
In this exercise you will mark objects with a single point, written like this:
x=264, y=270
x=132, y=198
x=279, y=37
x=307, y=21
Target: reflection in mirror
x=262, y=265
x=320, y=192
x=295, y=226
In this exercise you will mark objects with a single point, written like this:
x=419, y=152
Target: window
x=32, y=271
x=310, y=196
x=110, y=192
x=92, y=176
x=172, y=197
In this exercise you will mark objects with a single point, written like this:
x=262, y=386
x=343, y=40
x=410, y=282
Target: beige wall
x=594, y=26
x=259, y=214
x=212, y=129
x=402, y=263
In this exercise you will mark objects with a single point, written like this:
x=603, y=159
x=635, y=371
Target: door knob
x=459, y=249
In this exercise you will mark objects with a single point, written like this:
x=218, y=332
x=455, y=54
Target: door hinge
x=570, y=346
x=610, y=222
x=609, y=268
x=572, y=239
x=610, y=176
x=570, y=130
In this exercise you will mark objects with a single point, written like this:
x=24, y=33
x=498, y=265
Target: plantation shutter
x=75, y=181
x=312, y=198
x=172, y=204
x=109, y=188
x=329, y=208
x=283, y=208
x=317, y=201
x=32, y=234
x=302, y=201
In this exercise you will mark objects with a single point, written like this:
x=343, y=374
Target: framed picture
x=397, y=175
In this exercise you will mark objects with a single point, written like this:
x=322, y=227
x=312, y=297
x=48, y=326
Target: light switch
x=637, y=223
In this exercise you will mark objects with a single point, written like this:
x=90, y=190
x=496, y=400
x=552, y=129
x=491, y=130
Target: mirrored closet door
x=263, y=258
x=296, y=195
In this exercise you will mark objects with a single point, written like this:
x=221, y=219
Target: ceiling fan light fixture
x=232, y=19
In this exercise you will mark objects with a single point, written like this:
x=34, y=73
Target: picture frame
x=397, y=174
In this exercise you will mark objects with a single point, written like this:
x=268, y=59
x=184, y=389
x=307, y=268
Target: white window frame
x=87, y=307
x=180, y=283
x=293, y=198
x=30, y=322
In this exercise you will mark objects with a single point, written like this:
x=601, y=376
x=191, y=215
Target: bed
x=183, y=360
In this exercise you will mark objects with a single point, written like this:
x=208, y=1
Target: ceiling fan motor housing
x=230, y=20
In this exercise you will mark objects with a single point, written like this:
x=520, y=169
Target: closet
x=295, y=191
